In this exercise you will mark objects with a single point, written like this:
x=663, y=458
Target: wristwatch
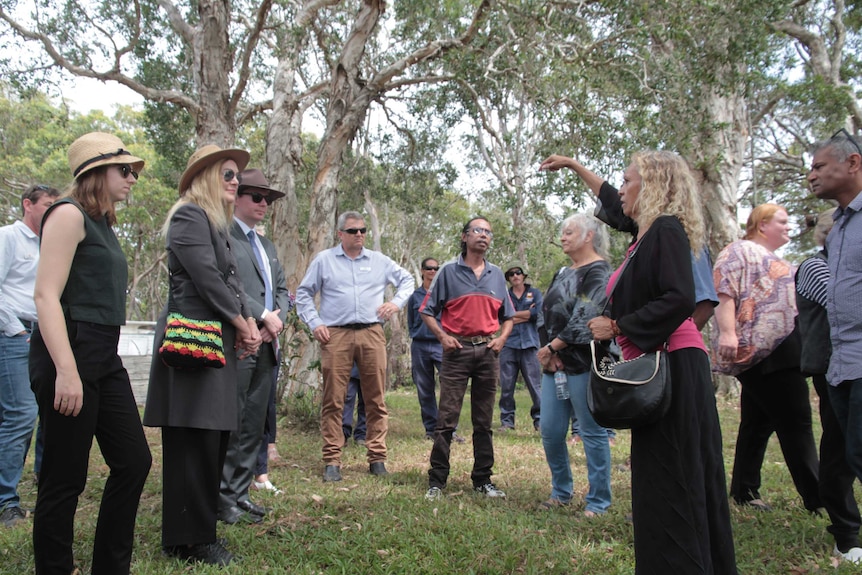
x=551, y=349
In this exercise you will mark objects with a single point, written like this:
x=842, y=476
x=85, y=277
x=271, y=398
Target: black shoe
x=210, y=553
x=332, y=473
x=234, y=514
x=378, y=468
x=253, y=508
x=757, y=504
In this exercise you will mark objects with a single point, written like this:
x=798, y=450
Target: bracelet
x=551, y=349
x=615, y=329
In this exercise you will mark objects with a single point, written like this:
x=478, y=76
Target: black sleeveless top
x=96, y=289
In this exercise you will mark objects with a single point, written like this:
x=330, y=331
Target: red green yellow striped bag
x=192, y=343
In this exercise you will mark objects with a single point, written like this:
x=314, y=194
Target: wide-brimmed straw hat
x=208, y=155
x=254, y=179
x=99, y=149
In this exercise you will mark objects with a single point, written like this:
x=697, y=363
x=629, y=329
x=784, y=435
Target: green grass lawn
x=369, y=525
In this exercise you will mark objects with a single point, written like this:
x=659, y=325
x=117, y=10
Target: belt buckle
x=478, y=339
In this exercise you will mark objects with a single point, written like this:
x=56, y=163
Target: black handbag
x=627, y=394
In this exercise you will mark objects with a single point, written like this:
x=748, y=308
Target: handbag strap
x=620, y=275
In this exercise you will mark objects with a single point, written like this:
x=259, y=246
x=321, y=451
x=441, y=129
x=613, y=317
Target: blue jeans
x=352, y=399
x=426, y=356
x=555, y=425
x=513, y=361
x=18, y=410
x=847, y=404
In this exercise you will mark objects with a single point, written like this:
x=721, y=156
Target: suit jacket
x=204, y=285
x=251, y=276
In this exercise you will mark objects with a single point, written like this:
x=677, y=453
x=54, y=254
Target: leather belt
x=473, y=339
x=355, y=325
x=28, y=325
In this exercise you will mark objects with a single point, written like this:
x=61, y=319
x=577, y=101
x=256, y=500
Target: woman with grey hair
x=575, y=296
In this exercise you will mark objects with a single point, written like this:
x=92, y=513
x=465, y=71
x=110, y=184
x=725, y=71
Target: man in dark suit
x=269, y=301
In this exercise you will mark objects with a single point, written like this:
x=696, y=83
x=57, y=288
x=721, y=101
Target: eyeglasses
x=846, y=134
x=228, y=175
x=354, y=231
x=480, y=231
x=126, y=169
x=431, y=268
x=255, y=197
x=515, y=273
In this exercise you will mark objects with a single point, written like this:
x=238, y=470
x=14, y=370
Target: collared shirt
x=350, y=290
x=844, y=293
x=19, y=258
x=418, y=330
x=468, y=306
x=267, y=270
x=525, y=335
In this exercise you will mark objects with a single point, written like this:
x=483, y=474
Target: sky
x=85, y=94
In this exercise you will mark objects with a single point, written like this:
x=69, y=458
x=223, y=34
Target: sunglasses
x=228, y=175
x=126, y=169
x=510, y=274
x=480, y=231
x=844, y=133
x=354, y=231
x=255, y=197
x=431, y=268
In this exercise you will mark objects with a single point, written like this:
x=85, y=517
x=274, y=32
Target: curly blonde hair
x=207, y=192
x=668, y=188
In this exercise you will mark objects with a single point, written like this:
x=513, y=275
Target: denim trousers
x=555, y=425
x=426, y=356
x=353, y=402
x=847, y=404
x=513, y=361
x=480, y=366
x=18, y=410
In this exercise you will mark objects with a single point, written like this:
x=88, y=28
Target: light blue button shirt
x=844, y=293
x=350, y=290
x=19, y=258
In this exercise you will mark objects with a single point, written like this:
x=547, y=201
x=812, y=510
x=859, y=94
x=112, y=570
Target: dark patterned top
x=575, y=297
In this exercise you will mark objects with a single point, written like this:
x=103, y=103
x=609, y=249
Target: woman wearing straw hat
x=197, y=409
x=80, y=383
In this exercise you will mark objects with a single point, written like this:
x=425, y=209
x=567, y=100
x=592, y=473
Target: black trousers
x=775, y=402
x=836, y=477
x=192, y=462
x=680, y=509
x=111, y=416
x=480, y=366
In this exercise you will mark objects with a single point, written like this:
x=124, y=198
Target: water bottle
x=561, y=385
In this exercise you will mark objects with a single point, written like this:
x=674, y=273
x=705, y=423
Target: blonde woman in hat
x=79, y=380
x=197, y=409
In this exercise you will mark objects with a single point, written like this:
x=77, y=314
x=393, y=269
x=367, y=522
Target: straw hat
x=254, y=179
x=208, y=155
x=99, y=149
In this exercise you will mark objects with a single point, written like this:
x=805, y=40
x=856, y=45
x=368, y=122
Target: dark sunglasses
x=228, y=175
x=255, y=197
x=510, y=274
x=354, y=231
x=126, y=169
x=431, y=268
x=844, y=133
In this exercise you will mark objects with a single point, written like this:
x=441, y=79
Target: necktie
x=262, y=268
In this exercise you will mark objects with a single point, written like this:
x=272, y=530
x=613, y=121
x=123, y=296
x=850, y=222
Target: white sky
x=85, y=94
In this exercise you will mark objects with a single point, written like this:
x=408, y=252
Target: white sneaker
x=433, y=494
x=489, y=490
x=853, y=555
x=266, y=486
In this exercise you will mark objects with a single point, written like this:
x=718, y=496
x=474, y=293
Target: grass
x=371, y=525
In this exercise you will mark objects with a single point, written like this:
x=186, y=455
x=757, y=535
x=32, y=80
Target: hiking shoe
x=433, y=494
x=13, y=515
x=489, y=490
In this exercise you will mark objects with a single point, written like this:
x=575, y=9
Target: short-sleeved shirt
x=844, y=293
x=761, y=286
x=469, y=306
x=525, y=335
